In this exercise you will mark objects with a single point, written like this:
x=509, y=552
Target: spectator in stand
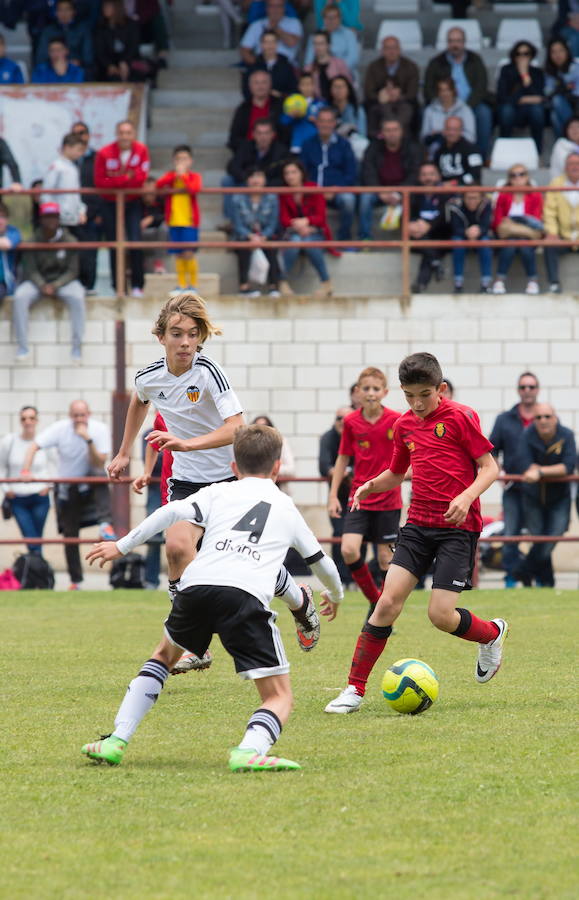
x=350, y=115
x=10, y=71
x=328, y=452
x=62, y=174
x=256, y=9
x=561, y=219
x=58, y=70
x=547, y=450
x=391, y=87
x=82, y=444
x=303, y=218
x=49, y=273
x=428, y=220
x=123, y=164
x=255, y=218
x=73, y=32
x=391, y=159
x=116, y=43
x=563, y=146
x=458, y=160
x=153, y=226
x=570, y=31
x=289, y=33
x=29, y=502
x=263, y=151
x=470, y=220
x=303, y=127
x=281, y=71
x=182, y=213
x=325, y=66
x=506, y=438
x=468, y=71
x=10, y=237
x=521, y=93
x=446, y=103
x=330, y=162
x=349, y=12
x=561, y=84
x=92, y=228
x=343, y=42
x=152, y=27
x=287, y=468
x=518, y=209
x=261, y=105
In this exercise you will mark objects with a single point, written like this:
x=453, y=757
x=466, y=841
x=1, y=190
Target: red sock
x=366, y=654
x=478, y=630
x=362, y=577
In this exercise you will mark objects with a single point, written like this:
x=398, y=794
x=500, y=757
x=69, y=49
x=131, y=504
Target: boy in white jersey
x=248, y=526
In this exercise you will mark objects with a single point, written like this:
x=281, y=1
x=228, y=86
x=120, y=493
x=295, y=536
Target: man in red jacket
x=123, y=164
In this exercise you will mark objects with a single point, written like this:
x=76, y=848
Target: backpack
x=33, y=572
x=128, y=572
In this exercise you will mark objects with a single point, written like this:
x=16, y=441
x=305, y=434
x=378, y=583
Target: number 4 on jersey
x=254, y=521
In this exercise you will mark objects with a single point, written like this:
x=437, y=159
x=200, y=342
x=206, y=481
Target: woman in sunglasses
x=521, y=93
x=522, y=212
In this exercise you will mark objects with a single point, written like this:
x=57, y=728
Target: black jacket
x=6, y=159
x=412, y=156
x=461, y=162
x=474, y=70
x=460, y=218
x=329, y=447
x=431, y=208
x=114, y=45
x=560, y=450
x=283, y=76
x=246, y=156
x=240, y=122
x=510, y=87
x=93, y=201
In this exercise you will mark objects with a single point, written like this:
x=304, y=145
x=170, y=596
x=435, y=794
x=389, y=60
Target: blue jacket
x=247, y=220
x=10, y=72
x=45, y=74
x=8, y=258
x=331, y=164
x=560, y=450
x=506, y=439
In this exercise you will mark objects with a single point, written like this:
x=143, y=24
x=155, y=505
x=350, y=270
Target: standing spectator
x=390, y=160
x=350, y=115
x=10, y=237
x=506, y=438
x=281, y=71
x=10, y=71
x=82, y=444
x=182, y=213
x=287, y=468
x=470, y=220
x=29, y=502
x=325, y=66
x=561, y=84
x=58, y=69
x=116, y=43
x=256, y=219
x=73, y=32
x=563, y=146
x=303, y=218
x=514, y=210
x=561, y=219
x=263, y=151
x=446, y=103
x=62, y=174
x=428, y=220
x=261, y=105
x=289, y=33
x=330, y=162
x=92, y=228
x=328, y=453
x=468, y=71
x=343, y=41
x=521, y=93
x=458, y=160
x=547, y=451
x=50, y=273
x=123, y=164
x=391, y=85
x=153, y=226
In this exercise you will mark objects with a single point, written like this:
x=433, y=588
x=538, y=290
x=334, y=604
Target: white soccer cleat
x=490, y=655
x=307, y=621
x=347, y=702
x=190, y=662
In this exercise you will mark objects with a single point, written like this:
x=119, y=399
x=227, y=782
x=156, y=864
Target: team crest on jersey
x=440, y=429
x=193, y=393
x=411, y=446
x=364, y=444
x=390, y=434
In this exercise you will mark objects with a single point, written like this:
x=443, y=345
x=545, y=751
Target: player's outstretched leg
x=190, y=662
x=264, y=728
x=489, y=635
x=180, y=551
x=109, y=749
x=307, y=621
x=490, y=655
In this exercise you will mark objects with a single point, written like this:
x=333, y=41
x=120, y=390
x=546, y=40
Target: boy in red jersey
x=452, y=466
x=368, y=438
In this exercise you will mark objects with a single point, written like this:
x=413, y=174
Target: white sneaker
x=499, y=287
x=191, y=662
x=532, y=287
x=137, y=293
x=348, y=701
x=307, y=621
x=490, y=655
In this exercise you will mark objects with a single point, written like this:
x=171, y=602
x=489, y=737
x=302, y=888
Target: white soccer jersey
x=249, y=525
x=192, y=404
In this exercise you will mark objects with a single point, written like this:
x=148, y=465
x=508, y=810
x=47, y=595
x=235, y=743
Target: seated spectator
x=547, y=449
x=303, y=127
x=521, y=94
x=182, y=215
x=458, y=160
x=74, y=33
x=428, y=221
x=58, y=70
x=257, y=9
x=10, y=237
x=153, y=226
x=390, y=87
x=561, y=84
x=343, y=42
x=330, y=162
x=255, y=218
x=10, y=71
x=263, y=151
x=570, y=31
x=261, y=105
x=303, y=218
x=325, y=66
x=282, y=73
x=49, y=273
x=7, y=159
x=512, y=211
x=29, y=502
x=446, y=103
x=560, y=219
x=349, y=113
x=116, y=43
x=470, y=220
x=468, y=71
x=390, y=160
x=289, y=34
x=152, y=27
x=349, y=12
x=563, y=146
x=65, y=173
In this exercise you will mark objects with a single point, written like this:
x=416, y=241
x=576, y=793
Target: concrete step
x=200, y=78
x=204, y=157
x=208, y=284
x=203, y=59
x=185, y=98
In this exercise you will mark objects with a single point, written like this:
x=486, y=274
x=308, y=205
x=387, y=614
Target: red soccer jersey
x=442, y=449
x=166, y=458
x=371, y=446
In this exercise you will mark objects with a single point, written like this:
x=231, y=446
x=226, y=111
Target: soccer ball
x=410, y=686
x=295, y=106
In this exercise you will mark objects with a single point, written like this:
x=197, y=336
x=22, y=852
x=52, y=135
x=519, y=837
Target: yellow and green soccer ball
x=295, y=106
x=410, y=686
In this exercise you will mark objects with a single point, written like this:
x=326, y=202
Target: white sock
x=287, y=589
x=263, y=730
x=142, y=694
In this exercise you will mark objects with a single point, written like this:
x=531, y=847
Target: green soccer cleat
x=109, y=749
x=250, y=761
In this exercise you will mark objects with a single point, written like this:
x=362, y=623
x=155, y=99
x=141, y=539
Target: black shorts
x=246, y=627
x=378, y=526
x=452, y=550
x=180, y=490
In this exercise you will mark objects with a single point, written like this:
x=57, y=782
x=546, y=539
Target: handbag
x=391, y=218
x=508, y=228
x=258, y=266
x=7, y=508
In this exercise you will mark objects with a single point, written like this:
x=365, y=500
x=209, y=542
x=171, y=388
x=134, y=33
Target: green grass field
x=473, y=799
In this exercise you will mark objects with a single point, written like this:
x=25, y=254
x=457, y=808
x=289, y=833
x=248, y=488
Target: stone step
x=208, y=284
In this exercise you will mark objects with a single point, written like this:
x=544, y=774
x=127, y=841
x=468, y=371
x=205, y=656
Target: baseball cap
x=49, y=209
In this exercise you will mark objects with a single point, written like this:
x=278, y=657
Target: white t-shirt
x=252, y=37
x=13, y=450
x=192, y=404
x=73, y=450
